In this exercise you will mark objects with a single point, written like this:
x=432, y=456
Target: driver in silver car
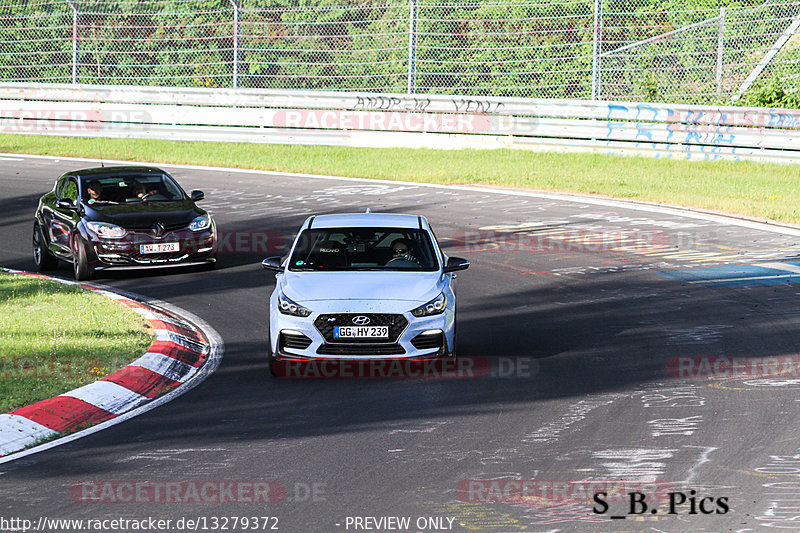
x=402, y=250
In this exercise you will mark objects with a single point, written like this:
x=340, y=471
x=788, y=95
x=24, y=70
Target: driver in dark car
x=141, y=191
x=95, y=191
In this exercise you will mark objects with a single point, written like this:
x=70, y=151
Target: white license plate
x=360, y=332
x=159, y=248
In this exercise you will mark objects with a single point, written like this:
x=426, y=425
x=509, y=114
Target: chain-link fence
x=704, y=51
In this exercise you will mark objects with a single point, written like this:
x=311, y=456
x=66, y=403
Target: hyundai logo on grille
x=361, y=320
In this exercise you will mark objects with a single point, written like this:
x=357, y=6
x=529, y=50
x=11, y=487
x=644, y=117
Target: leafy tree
x=653, y=50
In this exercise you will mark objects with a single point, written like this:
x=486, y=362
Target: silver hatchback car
x=363, y=286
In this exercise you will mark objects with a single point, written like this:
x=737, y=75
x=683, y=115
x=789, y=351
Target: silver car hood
x=417, y=287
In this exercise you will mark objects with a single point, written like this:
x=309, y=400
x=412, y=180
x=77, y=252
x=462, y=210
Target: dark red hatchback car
x=121, y=217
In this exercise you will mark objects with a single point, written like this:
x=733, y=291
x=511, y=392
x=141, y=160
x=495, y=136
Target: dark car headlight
x=288, y=307
x=104, y=230
x=434, y=307
x=200, y=223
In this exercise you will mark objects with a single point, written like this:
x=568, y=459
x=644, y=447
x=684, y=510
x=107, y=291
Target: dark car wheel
x=80, y=261
x=42, y=257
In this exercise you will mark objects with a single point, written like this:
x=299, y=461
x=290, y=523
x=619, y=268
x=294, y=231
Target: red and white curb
x=184, y=353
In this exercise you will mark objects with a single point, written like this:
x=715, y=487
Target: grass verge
x=54, y=338
x=761, y=190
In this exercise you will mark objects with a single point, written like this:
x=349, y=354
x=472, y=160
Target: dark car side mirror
x=197, y=196
x=455, y=263
x=272, y=263
x=66, y=203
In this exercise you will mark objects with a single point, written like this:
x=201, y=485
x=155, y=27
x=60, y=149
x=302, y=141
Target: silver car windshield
x=341, y=249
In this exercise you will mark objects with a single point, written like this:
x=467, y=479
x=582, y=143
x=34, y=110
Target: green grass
x=761, y=190
x=54, y=338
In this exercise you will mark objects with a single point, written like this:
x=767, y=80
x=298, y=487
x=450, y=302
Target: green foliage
x=325, y=45
x=510, y=51
x=36, y=46
x=772, y=94
x=653, y=50
x=54, y=338
x=648, y=86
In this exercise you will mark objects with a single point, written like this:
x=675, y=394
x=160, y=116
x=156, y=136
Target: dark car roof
x=101, y=172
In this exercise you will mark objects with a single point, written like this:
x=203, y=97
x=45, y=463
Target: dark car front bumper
x=129, y=251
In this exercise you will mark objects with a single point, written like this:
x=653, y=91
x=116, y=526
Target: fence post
x=75, y=38
x=235, y=4
x=596, y=42
x=720, y=48
x=412, y=47
x=787, y=34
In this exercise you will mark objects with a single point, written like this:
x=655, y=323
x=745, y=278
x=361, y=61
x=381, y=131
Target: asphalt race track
x=609, y=334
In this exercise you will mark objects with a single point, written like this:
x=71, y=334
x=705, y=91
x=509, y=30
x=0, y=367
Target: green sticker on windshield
x=298, y=263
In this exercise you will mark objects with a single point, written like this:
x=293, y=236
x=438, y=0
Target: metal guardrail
x=401, y=120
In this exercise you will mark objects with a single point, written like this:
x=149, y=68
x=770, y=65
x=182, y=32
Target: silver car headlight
x=288, y=307
x=200, y=223
x=104, y=230
x=434, y=307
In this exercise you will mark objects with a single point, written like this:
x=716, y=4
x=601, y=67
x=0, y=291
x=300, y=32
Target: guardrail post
x=412, y=47
x=596, y=42
x=720, y=48
x=75, y=39
x=235, y=4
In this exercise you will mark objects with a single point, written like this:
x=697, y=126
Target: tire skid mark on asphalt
x=479, y=517
x=576, y=413
x=179, y=350
x=260, y=205
x=181, y=455
x=779, y=496
x=634, y=464
x=612, y=241
x=523, y=513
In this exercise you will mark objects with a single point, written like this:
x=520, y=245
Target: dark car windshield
x=131, y=188
x=363, y=249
